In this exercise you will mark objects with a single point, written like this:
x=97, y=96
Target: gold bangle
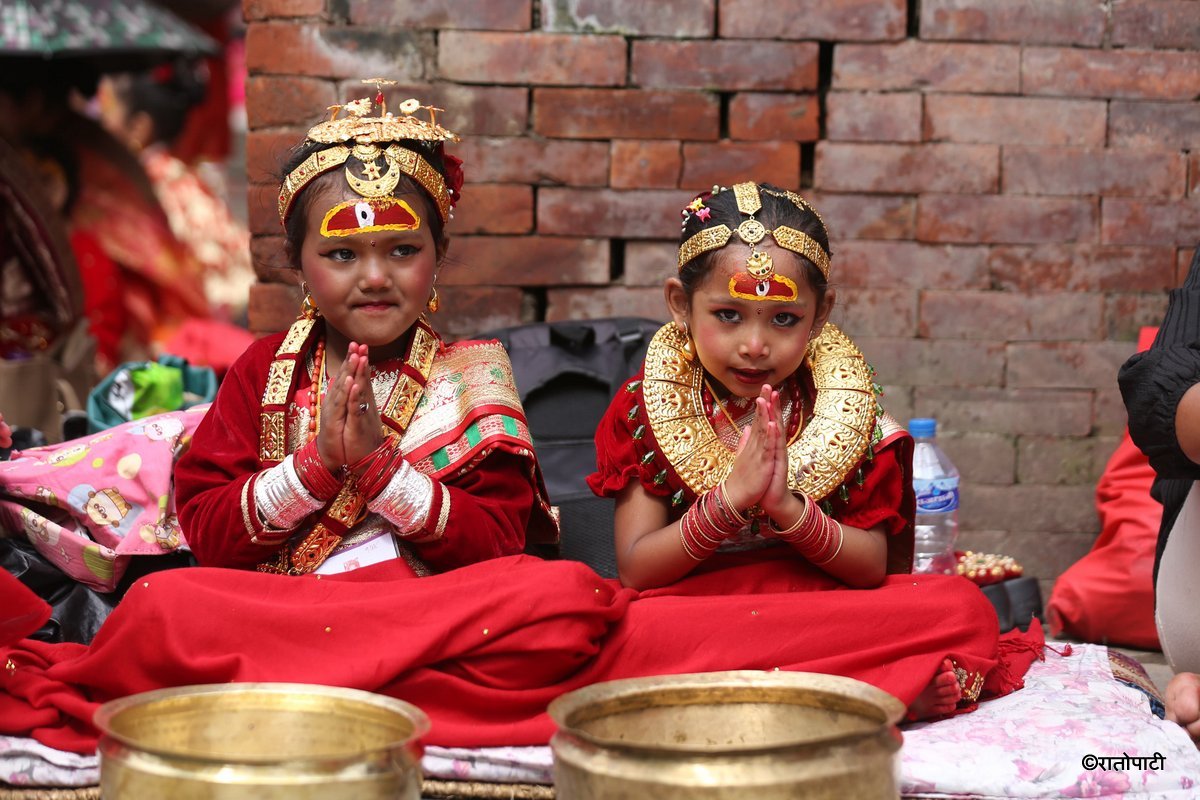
x=841, y=541
x=729, y=506
x=799, y=523
x=683, y=541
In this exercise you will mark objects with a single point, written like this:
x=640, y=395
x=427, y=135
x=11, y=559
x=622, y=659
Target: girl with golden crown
x=752, y=456
x=374, y=439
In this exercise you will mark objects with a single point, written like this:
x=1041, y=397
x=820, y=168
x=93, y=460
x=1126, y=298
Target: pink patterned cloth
x=90, y=504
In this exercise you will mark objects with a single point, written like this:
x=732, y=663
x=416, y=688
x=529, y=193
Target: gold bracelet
x=730, y=507
x=799, y=523
x=841, y=541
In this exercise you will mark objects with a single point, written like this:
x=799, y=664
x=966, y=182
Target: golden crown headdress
x=363, y=137
x=751, y=231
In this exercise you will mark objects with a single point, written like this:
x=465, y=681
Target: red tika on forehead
x=745, y=286
x=368, y=216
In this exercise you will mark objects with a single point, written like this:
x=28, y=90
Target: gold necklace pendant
x=823, y=454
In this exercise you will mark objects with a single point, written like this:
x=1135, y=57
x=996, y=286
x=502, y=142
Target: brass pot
x=738, y=734
x=267, y=741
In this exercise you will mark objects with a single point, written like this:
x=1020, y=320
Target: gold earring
x=308, y=306
x=687, y=343
x=434, y=301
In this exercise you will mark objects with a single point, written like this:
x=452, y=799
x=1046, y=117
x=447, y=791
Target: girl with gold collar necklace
x=358, y=435
x=752, y=456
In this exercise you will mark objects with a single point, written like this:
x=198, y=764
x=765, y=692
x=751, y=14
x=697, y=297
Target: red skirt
x=483, y=649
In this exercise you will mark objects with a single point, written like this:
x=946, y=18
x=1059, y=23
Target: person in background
x=148, y=112
x=1161, y=389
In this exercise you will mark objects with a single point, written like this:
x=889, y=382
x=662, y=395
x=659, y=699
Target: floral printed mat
x=1066, y=734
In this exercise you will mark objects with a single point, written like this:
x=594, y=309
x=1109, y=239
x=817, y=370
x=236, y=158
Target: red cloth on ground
x=483, y=649
x=1108, y=595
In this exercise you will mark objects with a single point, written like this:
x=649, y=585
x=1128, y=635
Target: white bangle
x=405, y=501
x=281, y=498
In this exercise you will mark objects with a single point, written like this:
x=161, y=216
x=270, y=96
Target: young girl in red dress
x=752, y=456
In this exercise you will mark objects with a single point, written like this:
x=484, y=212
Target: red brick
x=1004, y=411
x=763, y=117
x=844, y=21
x=1009, y=316
x=1069, y=512
x=1009, y=120
x=616, y=301
x=520, y=160
x=255, y=10
x=526, y=261
x=912, y=264
x=272, y=101
x=1008, y=219
x=650, y=263
x=468, y=311
x=625, y=113
x=901, y=169
x=1156, y=23
x=866, y=216
x=469, y=110
x=695, y=18
x=642, y=164
x=268, y=151
x=919, y=362
x=337, y=52
x=1126, y=314
x=724, y=65
x=494, y=208
x=494, y=15
x=987, y=458
x=269, y=256
x=1109, y=417
x=1159, y=125
x=1065, y=365
x=1151, y=222
x=1081, y=268
x=272, y=307
x=646, y=214
x=928, y=66
x=1133, y=74
x=1071, y=22
x=886, y=313
x=1072, y=462
x=1194, y=173
x=728, y=163
x=262, y=208
x=531, y=58
x=1084, y=171
x=873, y=117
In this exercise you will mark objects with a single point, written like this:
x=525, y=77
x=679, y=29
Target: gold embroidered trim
x=820, y=459
x=273, y=431
x=246, y=510
x=443, y=513
x=702, y=242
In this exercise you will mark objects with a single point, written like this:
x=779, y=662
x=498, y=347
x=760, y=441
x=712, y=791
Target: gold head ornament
x=751, y=232
x=352, y=132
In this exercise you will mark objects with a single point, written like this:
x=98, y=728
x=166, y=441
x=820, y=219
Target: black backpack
x=567, y=374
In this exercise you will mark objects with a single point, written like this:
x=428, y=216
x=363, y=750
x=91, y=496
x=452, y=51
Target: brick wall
x=1010, y=186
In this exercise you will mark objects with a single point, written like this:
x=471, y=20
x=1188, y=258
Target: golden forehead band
x=361, y=136
x=751, y=231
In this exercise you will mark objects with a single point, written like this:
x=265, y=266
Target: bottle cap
x=922, y=427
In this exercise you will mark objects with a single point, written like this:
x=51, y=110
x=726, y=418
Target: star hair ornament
x=759, y=281
x=374, y=159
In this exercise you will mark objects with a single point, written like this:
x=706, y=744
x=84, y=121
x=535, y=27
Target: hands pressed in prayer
x=350, y=424
x=754, y=466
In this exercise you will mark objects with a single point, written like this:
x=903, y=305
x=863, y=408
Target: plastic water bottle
x=935, y=481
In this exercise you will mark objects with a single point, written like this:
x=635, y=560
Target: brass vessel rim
x=107, y=718
x=807, y=689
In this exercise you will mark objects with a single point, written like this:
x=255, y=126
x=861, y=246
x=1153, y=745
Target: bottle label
x=937, y=495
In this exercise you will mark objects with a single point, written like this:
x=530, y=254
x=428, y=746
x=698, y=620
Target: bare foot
x=1183, y=702
x=939, y=697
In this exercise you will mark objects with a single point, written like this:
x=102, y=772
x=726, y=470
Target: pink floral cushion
x=90, y=504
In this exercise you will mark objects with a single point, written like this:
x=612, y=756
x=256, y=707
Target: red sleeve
x=212, y=475
x=481, y=514
x=622, y=439
x=885, y=498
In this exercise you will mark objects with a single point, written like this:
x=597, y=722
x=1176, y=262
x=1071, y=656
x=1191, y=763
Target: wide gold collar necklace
x=830, y=447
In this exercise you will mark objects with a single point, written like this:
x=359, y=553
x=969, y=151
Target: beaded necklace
x=316, y=389
x=794, y=399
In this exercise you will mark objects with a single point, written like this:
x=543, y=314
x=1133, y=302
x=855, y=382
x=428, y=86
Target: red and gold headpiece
x=759, y=265
x=369, y=139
